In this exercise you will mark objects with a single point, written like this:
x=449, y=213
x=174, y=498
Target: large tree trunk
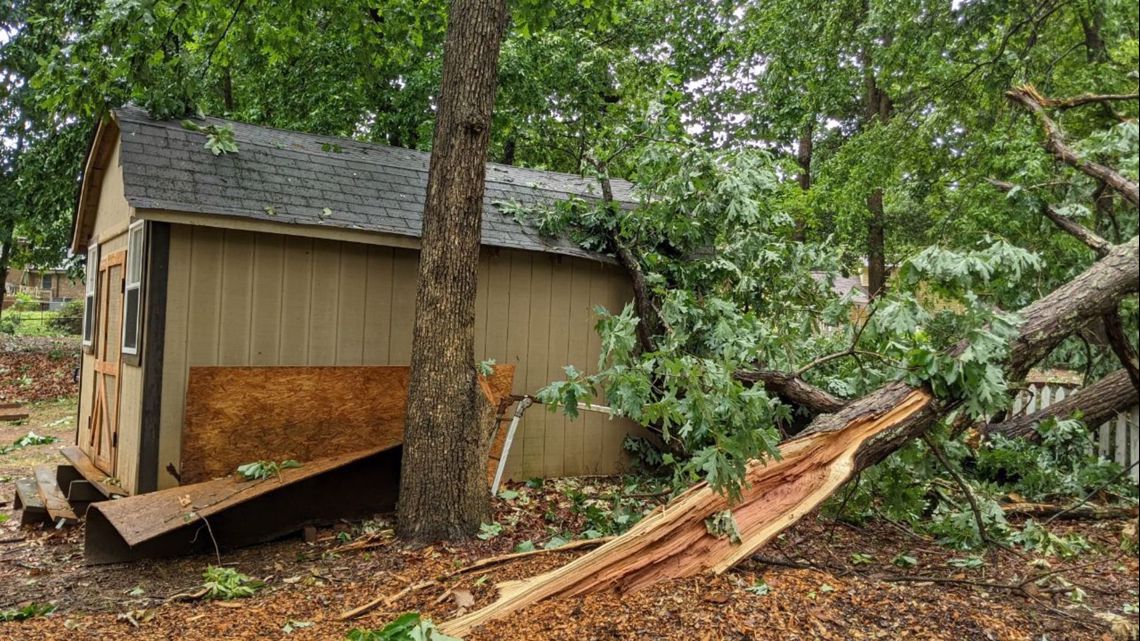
x=674, y=541
x=443, y=480
x=1097, y=403
x=877, y=108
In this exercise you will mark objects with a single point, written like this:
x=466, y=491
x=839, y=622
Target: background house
x=51, y=286
x=301, y=250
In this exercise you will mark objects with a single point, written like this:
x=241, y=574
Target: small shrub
x=407, y=627
x=224, y=584
x=30, y=611
x=69, y=320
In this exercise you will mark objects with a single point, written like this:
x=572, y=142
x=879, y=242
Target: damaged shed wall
x=252, y=298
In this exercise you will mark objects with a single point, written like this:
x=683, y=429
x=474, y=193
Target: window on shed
x=45, y=281
x=92, y=269
x=132, y=294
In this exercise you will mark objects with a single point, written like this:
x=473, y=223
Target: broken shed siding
x=110, y=231
x=252, y=298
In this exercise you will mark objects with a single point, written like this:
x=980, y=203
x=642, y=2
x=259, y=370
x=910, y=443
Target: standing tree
x=443, y=485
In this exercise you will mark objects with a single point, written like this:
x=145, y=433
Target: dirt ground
x=37, y=368
x=823, y=581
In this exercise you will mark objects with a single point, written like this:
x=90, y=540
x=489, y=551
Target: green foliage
x=406, y=627
x=260, y=470
x=30, y=611
x=224, y=584
x=489, y=530
x=219, y=139
x=1037, y=538
x=722, y=525
x=69, y=320
x=27, y=440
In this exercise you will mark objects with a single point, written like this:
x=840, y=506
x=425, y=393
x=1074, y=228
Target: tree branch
x=1028, y=97
x=1097, y=403
x=793, y=389
x=1067, y=225
x=1085, y=99
x=1118, y=340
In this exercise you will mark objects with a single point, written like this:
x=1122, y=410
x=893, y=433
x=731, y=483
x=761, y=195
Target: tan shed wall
x=110, y=231
x=246, y=298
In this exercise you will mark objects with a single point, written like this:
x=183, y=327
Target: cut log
x=1097, y=403
x=674, y=541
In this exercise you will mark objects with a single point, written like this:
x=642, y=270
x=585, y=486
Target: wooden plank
x=578, y=353
x=377, y=306
x=235, y=313
x=86, y=468
x=538, y=353
x=1131, y=421
x=29, y=502
x=205, y=283
x=12, y=415
x=595, y=427
x=267, y=295
x=297, y=288
x=558, y=342
x=236, y=415
x=54, y=501
x=353, y=286
x=323, y=319
x=405, y=275
x=154, y=352
x=175, y=366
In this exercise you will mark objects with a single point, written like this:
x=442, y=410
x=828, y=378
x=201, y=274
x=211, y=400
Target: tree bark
x=793, y=389
x=674, y=541
x=803, y=159
x=6, y=239
x=1097, y=403
x=443, y=482
x=877, y=108
x=1118, y=340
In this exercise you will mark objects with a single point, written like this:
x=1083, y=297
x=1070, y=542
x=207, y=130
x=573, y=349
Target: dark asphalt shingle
x=291, y=177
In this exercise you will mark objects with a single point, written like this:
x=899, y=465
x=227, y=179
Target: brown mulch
x=827, y=597
x=36, y=368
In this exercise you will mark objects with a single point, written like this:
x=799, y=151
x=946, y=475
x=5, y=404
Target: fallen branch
x=385, y=600
x=674, y=541
x=513, y=556
x=1096, y=403
x=1068, y=513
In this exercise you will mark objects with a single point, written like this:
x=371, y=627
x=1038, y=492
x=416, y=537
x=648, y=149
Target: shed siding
x=110, y=231
x=240, y=298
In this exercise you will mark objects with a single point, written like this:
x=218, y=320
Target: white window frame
x=89, y=299
x=133, y=281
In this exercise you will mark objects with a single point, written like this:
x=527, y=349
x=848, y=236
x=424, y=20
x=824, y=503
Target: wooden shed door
x=102, y=439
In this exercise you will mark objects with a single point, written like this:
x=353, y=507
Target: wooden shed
x=301, y=251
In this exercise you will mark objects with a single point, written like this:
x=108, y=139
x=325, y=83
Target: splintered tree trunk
x=443, y=481
x=674, y=542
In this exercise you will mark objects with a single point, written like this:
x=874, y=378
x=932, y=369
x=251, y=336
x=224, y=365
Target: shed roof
x=292, y=177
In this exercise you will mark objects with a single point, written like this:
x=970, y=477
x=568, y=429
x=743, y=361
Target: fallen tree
x=1096, y=404
x=700, y=531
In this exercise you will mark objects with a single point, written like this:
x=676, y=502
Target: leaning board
x=236, y=415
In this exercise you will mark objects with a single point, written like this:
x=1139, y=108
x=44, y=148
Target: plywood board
x=236, y=415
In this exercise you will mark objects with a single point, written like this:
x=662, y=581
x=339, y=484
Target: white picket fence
x=1118, y=439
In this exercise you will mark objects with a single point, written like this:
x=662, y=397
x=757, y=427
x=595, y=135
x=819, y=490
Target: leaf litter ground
x=819, y=580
